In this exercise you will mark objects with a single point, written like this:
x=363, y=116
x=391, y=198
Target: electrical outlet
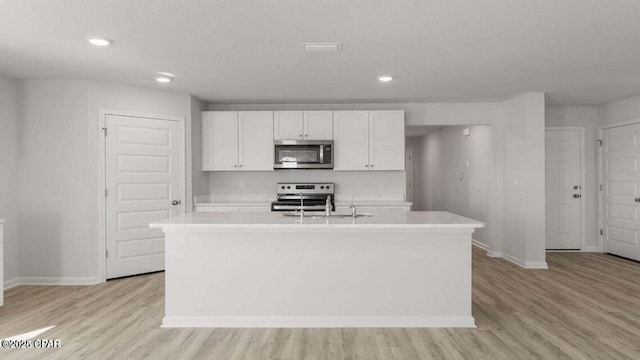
x=241, y=184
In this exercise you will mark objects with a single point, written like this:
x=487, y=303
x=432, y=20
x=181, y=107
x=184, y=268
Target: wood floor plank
x=586, y=306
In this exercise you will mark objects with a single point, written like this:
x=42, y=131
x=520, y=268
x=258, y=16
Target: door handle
x=176, y=202
x=636, y=199
x=576, y=196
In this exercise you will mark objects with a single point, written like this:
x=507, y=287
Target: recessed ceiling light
x=332, y=47
x=385, y=78
x=99, y=41
x=163, y=79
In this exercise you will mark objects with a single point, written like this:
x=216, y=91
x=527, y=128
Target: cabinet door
x=386, y=140
x=318, y=125
x=219, y=140
x=287, y=125
x=351, y=140
x=256, y=146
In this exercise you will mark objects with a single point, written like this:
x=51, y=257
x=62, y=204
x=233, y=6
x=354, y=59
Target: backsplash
x=364, y=184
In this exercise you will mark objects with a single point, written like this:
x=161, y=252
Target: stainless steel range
x=308, y=196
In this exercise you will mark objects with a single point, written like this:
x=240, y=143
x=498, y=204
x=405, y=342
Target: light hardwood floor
x=587, y=306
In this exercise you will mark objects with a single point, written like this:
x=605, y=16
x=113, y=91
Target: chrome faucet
x=353, y=207
x=327, y=206
x=353, y=210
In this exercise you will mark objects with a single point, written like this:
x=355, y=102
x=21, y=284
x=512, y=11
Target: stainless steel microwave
x=303, y=154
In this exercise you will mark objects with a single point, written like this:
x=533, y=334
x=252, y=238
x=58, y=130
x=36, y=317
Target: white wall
x=377, y=184
x=59, y=186
x=9, y=175
x=414, y=144
x=524, y=226
x=456, y=174
x=587, y=118
x=200, y=179
x=619, y=111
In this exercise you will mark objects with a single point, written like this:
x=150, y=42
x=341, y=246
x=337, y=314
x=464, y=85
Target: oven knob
x=321, y=187
x=288, y=187
x=283, y=186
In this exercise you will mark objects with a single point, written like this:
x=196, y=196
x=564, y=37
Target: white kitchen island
x=263, y=269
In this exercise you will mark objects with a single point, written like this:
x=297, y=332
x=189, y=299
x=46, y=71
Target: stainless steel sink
x=324, y=216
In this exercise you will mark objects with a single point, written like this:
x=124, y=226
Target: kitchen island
x=263, y=269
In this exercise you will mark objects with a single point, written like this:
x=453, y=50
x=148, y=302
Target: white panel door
x=564, y=190
x=351, y=140
x=143, y=167
x=620, y=155
x=256, y=146
x=386, y=140
x=318, y=125
x=220, y=140
x=287, y=125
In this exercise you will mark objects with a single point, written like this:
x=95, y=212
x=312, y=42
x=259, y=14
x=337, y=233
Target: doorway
x=144, y=181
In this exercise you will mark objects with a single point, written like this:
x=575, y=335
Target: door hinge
x=106, y=192
x=599, y=142
x=600, y=187
x=106, y=253
x=601, y=232
x=105, y=131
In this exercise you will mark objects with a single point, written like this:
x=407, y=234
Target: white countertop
x=413, y=219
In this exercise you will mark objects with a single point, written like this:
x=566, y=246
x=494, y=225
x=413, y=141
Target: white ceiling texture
x=579, y=52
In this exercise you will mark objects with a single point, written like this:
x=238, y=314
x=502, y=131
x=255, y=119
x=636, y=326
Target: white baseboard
x=591, y=249
x=52, y=281
x=525, y=264
x=8, y=284
x=495, y=254
x=314, y=322
x=479, y=244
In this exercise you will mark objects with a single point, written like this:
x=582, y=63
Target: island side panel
x=333, y=277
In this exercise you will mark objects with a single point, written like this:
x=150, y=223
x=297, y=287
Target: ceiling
x=579, y=52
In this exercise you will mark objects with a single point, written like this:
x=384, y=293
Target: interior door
x=142, y=167
x=564, y=189
x=620, y=154
x=351, y=140
x=287, y=125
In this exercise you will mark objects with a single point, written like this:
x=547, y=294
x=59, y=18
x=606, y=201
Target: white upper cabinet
x=318, y=125
x=369, y=140
x=237, y=141
x=219, y=140
x=288, y=125
x=303, y=125
x=351, y=140
x=386, y=140
x=255, y=145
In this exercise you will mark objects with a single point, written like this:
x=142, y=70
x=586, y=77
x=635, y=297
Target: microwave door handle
x=321, y=154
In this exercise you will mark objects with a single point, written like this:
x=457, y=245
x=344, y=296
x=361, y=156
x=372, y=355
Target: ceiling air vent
x=335, y=46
